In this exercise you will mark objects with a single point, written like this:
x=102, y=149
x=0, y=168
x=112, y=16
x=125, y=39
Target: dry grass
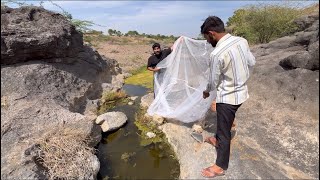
x=65, y=154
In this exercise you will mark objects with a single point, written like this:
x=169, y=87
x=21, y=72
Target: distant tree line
x=113, y=32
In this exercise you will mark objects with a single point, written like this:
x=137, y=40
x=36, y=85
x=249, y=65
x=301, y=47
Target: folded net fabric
x=178, y=86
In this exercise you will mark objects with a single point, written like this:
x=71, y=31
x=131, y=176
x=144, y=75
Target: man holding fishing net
x=229, y=72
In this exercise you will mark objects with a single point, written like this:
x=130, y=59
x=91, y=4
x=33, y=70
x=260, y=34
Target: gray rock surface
x=29, y=33
x=49, y=80
x=111, y=121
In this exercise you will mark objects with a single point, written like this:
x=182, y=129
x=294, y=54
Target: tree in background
x=262, y=23
x=113, y=32
x=132, y=33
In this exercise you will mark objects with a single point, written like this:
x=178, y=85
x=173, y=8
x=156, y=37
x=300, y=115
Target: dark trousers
x=225, y=117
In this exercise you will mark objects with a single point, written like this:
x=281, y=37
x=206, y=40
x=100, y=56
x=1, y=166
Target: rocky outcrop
x=304, y=46
x=33, y=33
x=280, y=120
x=49, y=81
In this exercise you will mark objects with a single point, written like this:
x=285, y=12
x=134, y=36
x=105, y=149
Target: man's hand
x=153, y=69
x=205, y=94
x=174, y=46
x=214, y=106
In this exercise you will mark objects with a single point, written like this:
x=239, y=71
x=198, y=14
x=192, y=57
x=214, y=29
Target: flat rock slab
x=193, y=156
x=247, y=161
x=111, y=120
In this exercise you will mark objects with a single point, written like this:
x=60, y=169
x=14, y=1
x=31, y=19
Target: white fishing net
x=183, y=77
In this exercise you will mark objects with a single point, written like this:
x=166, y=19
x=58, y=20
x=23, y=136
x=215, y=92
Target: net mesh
x=182, y=78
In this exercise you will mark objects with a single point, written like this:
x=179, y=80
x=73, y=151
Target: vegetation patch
x=146, y=125
x=161, y=147
x=111, y=99
x=142, y=77
x=264, y=22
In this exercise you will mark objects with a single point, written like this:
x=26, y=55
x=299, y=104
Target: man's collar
x=223, y=39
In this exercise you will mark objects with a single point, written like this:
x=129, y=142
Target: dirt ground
x=131, y=56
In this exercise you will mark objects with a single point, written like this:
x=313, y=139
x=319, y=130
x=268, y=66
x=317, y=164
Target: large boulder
x=29, y=33
x=47, y=79
x=306, y=21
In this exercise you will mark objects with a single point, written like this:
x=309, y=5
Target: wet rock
x=111, y=120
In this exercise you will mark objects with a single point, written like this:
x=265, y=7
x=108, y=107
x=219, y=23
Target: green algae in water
x=142, y=77
x=129, y=154
x=146, y=125
x=110, y=100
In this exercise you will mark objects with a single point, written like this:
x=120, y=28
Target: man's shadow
x=208, y=124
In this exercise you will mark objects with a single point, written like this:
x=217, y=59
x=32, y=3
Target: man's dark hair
x=212, y=23
x=155, y=45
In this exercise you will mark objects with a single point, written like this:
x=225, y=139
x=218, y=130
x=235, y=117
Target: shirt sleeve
x=214, y=75
x=149, y=62
x=167, y=51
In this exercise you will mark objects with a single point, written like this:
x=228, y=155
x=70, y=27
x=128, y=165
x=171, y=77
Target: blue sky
x=152, y=17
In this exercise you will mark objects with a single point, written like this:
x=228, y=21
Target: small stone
x=112, y=120
x=100, y=120
x=158, y=119
x=146, y=115
x=130, y=103
x=197, y=128
x=133, y=98
x=150, y=134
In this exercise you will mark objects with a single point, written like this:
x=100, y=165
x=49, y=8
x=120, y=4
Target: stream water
x=122, y=156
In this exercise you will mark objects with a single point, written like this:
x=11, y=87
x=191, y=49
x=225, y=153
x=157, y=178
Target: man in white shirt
x=229, y=72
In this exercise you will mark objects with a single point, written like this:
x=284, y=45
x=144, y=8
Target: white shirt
x=229, y=70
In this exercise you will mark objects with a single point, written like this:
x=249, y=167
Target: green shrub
x=264, y=22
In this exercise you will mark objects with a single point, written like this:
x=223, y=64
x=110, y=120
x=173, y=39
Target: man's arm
x=215, y=72
x=174, y=45
x=149, y=66
x=153, y=69
x=251, y=58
